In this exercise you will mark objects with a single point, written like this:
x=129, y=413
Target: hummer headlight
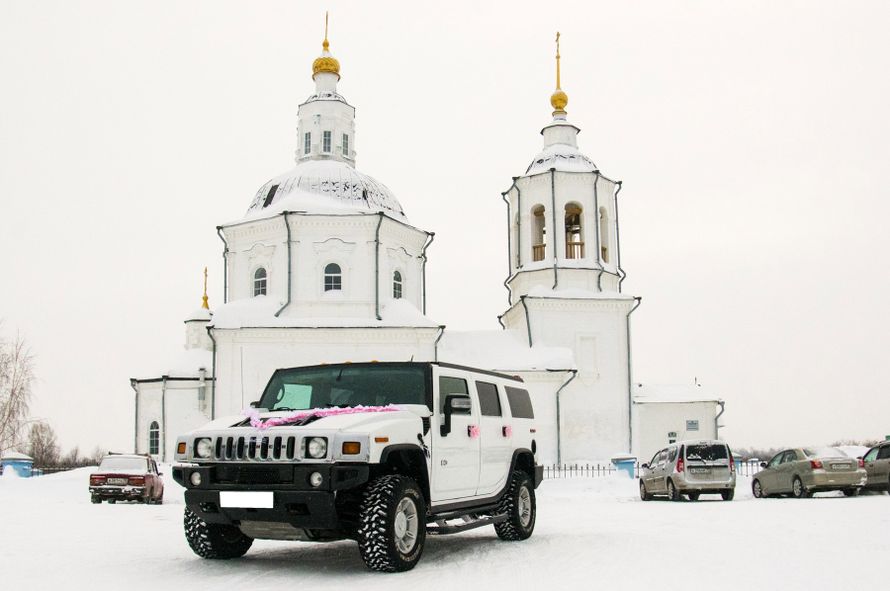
x=203, y=448
x=317, y=448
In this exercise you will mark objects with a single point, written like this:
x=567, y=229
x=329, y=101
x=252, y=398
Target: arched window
x=397, y=285
x=604, y=235
x=154, y=438
x=259, y=282
x=574, y=236
x=539, y=233
x=333, y=278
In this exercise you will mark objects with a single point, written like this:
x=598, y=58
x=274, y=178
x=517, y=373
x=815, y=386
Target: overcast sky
x=752, y=139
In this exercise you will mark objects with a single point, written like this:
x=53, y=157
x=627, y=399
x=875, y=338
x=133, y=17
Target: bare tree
x=16, y=377
x=72, y=458
x=97, y=455
x=42, y=445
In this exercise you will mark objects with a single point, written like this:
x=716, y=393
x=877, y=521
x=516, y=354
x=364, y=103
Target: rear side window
x=706, y=452
x=449, y=385
x=884, y=452
x=672, y=455
x=520, y=403
x=489, y=403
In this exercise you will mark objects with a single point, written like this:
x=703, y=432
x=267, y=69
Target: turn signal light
x=351, y=448
x=381, y=440
x=180, y=447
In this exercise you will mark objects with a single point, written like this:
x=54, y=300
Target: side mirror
x=644, y=466
x=763, y=464
x=455, y=404
x=255, y=404
x=160, y=473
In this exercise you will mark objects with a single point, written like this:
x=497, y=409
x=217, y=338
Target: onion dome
x=325, y=63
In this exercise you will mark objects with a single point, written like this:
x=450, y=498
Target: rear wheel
x=728, y=495
x=95, y=500
x=518, y=504
x=851, y=492
x=392, y=524
x=693, y=496
x=673, y=493
x=756, y=489
x=644, y=494
x=213, y=540
x=798, y=490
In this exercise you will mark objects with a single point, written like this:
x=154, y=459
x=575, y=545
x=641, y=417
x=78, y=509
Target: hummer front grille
x=255, y=447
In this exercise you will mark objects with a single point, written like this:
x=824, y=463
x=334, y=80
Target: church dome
x=562, y=157
x=326, y=62
x=325, y=186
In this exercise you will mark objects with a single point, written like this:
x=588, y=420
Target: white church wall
x=180, y=412
x=655, y=422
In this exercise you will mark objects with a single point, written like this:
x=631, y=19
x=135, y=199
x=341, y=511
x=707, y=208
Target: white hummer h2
x=382, y=453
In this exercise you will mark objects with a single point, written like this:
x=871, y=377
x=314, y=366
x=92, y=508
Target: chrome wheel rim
x=406, y=525
x=757, y=489
x=524, y=506
x=797, y=487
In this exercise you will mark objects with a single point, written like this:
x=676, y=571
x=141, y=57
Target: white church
x=325, y=267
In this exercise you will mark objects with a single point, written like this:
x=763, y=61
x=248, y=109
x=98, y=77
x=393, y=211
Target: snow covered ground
x=591, y=533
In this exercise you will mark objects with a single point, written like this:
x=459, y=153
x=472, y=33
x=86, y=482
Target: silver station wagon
x=877, y=467
x=690, y=468
x=801, y=472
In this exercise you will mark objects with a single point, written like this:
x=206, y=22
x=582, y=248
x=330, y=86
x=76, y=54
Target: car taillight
x=861, y=463
x=731, y=463
x=681, y=465
x=137, y=480
x=816, y=464
x=97, y=480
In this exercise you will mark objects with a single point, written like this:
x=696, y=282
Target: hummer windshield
x=365, y=384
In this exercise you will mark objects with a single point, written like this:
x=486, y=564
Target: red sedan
x=127, y=477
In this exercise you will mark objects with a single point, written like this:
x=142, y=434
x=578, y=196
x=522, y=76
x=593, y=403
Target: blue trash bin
x=626, y=464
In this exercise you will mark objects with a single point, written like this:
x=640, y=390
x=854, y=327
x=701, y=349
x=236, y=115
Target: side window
x=307, y=143
x=333, y=277
x=776, y=460
x=346, y=145
x=326, y=142
x=672, y=454
x=872, y=454
x=489, y=402
x=154, y=432
x=449, y=385
x=259, y=282
x=520, y=403
x=662, y=457
x=884, y=453
x=154, y=467
x=654, y=460
x=397, y=285
x=790, y=456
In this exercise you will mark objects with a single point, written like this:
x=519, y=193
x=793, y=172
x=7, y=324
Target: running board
x=442, y=528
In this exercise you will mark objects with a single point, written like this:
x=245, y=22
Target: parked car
x=127, y=477
x=690, y=468
x=801, y=472
x=877, y=467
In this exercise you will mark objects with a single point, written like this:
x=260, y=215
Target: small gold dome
x=559, y=100
x=326, y=63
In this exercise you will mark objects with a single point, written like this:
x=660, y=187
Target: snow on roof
x=541, y=291
x=199, y=314
x=562, y=157
x=14, y=455
x=324, y=186
x=183, y=364
x=672, y=393
x=501, y=350
x=259, y=312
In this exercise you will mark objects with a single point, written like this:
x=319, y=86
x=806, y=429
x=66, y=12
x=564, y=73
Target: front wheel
x=392, y=524
x=214, y=541
x=757, y=489
x=518, y=504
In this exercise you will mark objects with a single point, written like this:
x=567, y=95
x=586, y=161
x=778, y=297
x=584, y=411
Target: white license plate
x=699, y=470
x=841, y=466
x=247, y=499
x=117, y=481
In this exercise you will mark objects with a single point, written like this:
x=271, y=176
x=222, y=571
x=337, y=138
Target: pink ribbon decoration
x=257, y=423
x=508, y=431
x=473, y=431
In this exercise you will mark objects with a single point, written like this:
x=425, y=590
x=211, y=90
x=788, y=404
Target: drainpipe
x=202, y=389
x=509, y=249
x=553, y=231
x=430, y=236
x=528, y=322
x=213, y=388
x=630, y=423
x=164, y=419
x=436, y=344
x=621, y=273
x=135, y=416
x=596, y=228
x=722, y=405
x=225, y=264
x=287, y=303
x=377, y=267
x=559, y=417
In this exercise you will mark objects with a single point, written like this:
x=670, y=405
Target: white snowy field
x=591, y=533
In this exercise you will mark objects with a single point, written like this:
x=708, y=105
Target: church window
x=397, y=285
x=539, y=233
x=259, y=282
x=270, y=195
x=326, y=142
x=154, y=438
x=307, y=143
x=604, y=235
x=333, y=278
x=574, y=236
x=346, y=145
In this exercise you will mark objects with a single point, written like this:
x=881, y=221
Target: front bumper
x=295, y=500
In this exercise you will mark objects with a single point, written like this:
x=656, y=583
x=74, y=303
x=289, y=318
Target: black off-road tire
x=214, y=541
x=519, y=525
x=728, y=495
x=672, y=492
x=644, y=494
x=377, y=537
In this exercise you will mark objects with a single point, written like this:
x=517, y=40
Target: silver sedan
x=801, y=472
